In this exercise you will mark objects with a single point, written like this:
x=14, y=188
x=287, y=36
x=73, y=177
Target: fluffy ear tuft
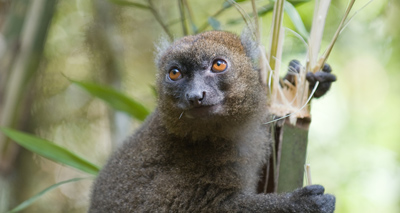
x=161, y=46
x=250, y=45
x=256, y=53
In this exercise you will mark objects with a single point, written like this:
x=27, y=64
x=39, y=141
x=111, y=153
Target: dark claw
x=294, y=68
x=325, y=79
x=295, y=65
x=327, y=68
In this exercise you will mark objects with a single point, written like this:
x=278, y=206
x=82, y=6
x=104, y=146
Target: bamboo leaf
x=51, y=151
x=194, y=28
x=31, y=200
x=261, y=12
x=214, y=23
x=266, y=9
x=296, y=19
x=130, y=4
x=115, y=99
x=228, y=4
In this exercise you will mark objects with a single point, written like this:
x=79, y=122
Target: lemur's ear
x=250, y=45
x=254, y=51
x=161, y=46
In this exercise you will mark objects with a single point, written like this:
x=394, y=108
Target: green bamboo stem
x=292, y=155
x=276, y=31
x=272, y=171
x=276, y=41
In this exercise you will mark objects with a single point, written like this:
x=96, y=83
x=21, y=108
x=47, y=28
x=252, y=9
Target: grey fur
x=161, y=46
x=251, y=46
x=204, y=160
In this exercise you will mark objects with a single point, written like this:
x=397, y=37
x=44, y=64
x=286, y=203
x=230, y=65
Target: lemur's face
x=207, y=75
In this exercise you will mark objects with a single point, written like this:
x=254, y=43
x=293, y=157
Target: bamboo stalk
x=275, y=55
x=276, y=40
x=293, y=156
x=295, y=133
x=293, y=153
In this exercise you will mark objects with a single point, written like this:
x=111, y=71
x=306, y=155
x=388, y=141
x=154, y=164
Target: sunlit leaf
x=31, y=200
x=115, y=99
x=129, y=4
x=214, y=23
x=296, y=19
x=51, y=151
x=261, y=12
x=266, y=9
x=269, y=7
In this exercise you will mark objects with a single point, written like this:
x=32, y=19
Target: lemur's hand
x=324, y=77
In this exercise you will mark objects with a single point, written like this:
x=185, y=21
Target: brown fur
x=179, y=163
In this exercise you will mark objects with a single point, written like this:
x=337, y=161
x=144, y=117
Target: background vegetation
x=354, y=141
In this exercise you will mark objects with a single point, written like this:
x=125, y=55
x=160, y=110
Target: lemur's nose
x=196, y=98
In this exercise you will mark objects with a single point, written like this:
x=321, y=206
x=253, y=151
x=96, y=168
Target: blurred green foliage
x=115, y=99
x=51, y=151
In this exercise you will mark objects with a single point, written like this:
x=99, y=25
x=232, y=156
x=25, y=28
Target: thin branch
x=183, y=18
x=245, y=16
x=159, y=19
x=253, y=4
x=206, y=24
x=351, y=18
x=191, y=19
x=325, y=56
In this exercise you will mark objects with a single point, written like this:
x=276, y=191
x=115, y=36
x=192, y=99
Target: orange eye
x=175, y=74
x=219, y=65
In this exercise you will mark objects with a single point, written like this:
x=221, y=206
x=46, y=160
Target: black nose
x=196, y=98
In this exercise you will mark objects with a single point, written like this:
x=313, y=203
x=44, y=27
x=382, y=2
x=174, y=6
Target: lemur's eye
x=219, y=65
x=175, y=74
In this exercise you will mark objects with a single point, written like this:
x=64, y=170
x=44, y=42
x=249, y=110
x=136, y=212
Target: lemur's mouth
x=203, y=111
